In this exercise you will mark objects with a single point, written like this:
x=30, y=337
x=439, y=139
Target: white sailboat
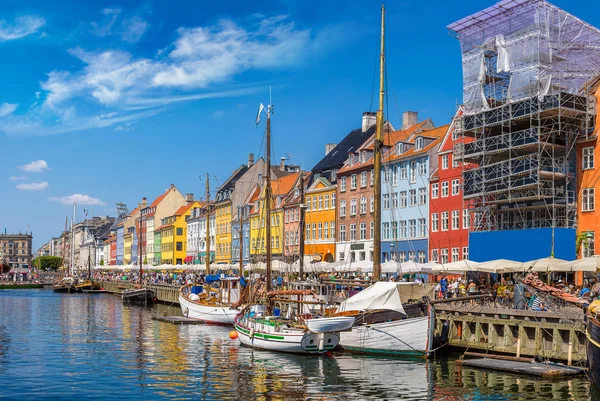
x=289, y=330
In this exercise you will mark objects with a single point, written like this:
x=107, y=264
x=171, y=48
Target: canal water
x=91, y=347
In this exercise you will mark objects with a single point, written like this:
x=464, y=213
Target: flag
x=260, y=109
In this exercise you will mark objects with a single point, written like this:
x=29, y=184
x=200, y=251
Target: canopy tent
x=384, y=295
x=544, y=264
x=455, y=267
x=591, y=264
x=361, y=266
x=499, y=266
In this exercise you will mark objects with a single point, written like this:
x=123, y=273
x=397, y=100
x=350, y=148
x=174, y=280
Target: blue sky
x=108, y=102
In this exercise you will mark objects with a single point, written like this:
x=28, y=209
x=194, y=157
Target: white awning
x=381, y=295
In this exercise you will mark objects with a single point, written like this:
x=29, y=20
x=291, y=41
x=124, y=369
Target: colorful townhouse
x=164, y=205
x=202, y=233
x=319, y=220
x=113, y=249
x=127, y=243
x=173, y=236
x=405, y=186
x=157, y=254
x=449, y=220
x=120, y=252
x=241, y=235
x=193, y=235
x=588, y=171
x=291, y=222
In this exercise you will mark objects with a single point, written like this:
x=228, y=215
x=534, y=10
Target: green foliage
x=102, y=262
x=579, y=240
x=145, y=260
x=47, y=262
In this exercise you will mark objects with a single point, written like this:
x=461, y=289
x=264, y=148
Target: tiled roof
x=283, y=185
x=436, y=133
x=339, y=154
x=435, y=175
x=160, y=198
x=183, y=209
x=291, y=198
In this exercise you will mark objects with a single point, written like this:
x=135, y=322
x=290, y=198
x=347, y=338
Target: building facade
x=16, y=249
x=320, y=217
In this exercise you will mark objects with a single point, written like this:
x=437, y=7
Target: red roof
x=183, y=209
x=283, y=185
x=436, y=133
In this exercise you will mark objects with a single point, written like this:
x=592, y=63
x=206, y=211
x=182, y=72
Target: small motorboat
x=138, y=296
x=66, y=285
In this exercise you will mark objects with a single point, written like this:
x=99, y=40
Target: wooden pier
x=514, y=332
x=165, y=293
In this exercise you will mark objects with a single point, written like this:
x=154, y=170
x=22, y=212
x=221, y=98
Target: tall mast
x=241, y=235
x=207, y=225
x=377, y=158
x=73, y=239
x=64, y=244
x=268, y=197
x=139, y=240
x=301, y=228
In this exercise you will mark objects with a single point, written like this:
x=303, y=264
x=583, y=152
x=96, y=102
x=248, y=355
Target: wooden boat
x=386, y=326
x=212, y=305
x=138, y=296
x=593, y=343
x=66, y=285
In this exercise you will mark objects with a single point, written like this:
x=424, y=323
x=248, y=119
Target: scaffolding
x=527, y=70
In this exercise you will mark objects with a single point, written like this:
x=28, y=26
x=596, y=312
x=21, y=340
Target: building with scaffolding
x=526, y=68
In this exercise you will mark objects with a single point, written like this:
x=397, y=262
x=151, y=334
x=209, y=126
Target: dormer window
x=351, y=159
x=419, y=143
x=296, y=192
x=398, y=149
x=363, y=156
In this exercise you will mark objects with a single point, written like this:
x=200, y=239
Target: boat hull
x=64, y=289
x=593, y=350
x=222, y=315
x=138, y=296
x=405, y=337
x=330, y=324
x=294, y=343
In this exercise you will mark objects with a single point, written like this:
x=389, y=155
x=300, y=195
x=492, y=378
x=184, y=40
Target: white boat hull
x=330, y=324
x=210, y=314
x=406, y=337
x=297, y=342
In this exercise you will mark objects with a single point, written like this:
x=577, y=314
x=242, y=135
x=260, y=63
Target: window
x=371, y=230
x=333, y=201
x=455, y=162
x=412, y=228
x=465, y=252
x=352, y=232
x=372, y=177
x=422, y=196
x=325, y=230
x=411, y=255
x=314, y=231
x=308, y=203
x=352, y=207
x=363, y=205
x=343, y=233
x=434, y=255
x=395, y=200
x=343, y=208
x=386, y=231
x=421, y=256
x=332, y=226
x=179, y=246
x=435, y=222
x=455, y=254
x=395, y=175
x=587, y=203
x=320, y=231
x=444, y=256
x=326, y=204
x=353, y=181
x=589, y=244
x=588, y=158
x=343, y=184
x=434, y=190
x=386, y=201
x=413, y=172
x=422, y=228
x=403, y=171
x=419, y=143
x=394, y=230
x=413, y=197
x=455, y=220
x=403, y=231
x=444, y=221
x=179, y=231
x=455, y=187
x=341, y=256
x=363, y=231
x=320, y=202
x=363, y=179
x=445, y=189
x=465, y=213
x=445, y=167
x=403, y=199
x=372, y=204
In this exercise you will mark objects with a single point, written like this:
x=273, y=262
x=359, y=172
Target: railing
x=166, y=293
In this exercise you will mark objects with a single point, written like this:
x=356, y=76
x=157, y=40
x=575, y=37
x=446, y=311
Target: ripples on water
x=60, y=346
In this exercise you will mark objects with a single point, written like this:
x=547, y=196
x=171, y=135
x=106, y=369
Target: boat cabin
x=321, y=293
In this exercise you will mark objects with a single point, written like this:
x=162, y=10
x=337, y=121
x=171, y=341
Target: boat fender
x=186, y=312
x=445, y=332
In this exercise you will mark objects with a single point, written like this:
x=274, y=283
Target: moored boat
x=593, y=343
x=138, y=296
x=66, y=285
x=212, y=305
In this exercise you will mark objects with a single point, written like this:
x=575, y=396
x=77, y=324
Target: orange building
x=320, y=221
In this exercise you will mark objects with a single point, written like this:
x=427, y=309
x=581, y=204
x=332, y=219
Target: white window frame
x=422, y=196
x=435, y=222
x=455, y=187
x=587, y=159
x=444, y=221
x=455, y=220
x=343, y=184
x=466, y=221
x=353, y=181
x=445, y=163
x=435, y=190
x=445, y=189
x=435, y=256
x=588, y=199
x=363, y=179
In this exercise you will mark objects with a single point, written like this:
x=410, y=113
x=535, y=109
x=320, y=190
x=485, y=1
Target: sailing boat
x=67, y=283
x=211, y=305
x=139, y=295
x=286, y=329
x=384, y=324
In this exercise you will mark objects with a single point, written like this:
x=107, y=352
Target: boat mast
x=207, y=258
x=64, y=245
x=241, y=235
x=72, y=267
x=302, y=210
x=378, y=144
x=268, y=196
x=139, y=239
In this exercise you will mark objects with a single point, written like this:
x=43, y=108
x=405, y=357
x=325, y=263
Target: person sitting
x=585, y=292
x=537, y=304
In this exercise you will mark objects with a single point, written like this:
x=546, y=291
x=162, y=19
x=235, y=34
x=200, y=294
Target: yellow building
x=319, y=235
x=280, y=188
x=127, y=244
x=173, y=235
x=223, y=214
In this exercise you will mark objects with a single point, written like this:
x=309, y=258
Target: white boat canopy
x=381, y=295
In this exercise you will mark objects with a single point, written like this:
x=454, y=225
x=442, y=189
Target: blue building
x=134, y=246
x=408, y=165
x=120, y=244
x=244, y=213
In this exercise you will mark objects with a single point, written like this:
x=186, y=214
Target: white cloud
x=34, y=186
x=133, y=29
x=199, y=60
x=18, y=178
x=104, y=28
x=7, y=109
x=77, y=198
x=36, y=166
x=20, y=27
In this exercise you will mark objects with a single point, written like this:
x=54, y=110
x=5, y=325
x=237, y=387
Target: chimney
x=143, y=203
x=250, y=159
x=369, y=119
x=409, y=118
x=329, y=147
x=172, y=186
x=189, y=198
x=282, y=164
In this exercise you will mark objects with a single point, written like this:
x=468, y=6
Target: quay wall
x=165, y=293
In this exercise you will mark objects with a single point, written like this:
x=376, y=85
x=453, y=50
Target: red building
x=112, y=240
x=449, y=220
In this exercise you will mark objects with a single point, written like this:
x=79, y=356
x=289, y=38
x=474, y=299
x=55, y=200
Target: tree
x=102, y=262
x=47, y=262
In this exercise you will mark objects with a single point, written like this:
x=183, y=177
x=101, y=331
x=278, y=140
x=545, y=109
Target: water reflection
x=92, y=347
